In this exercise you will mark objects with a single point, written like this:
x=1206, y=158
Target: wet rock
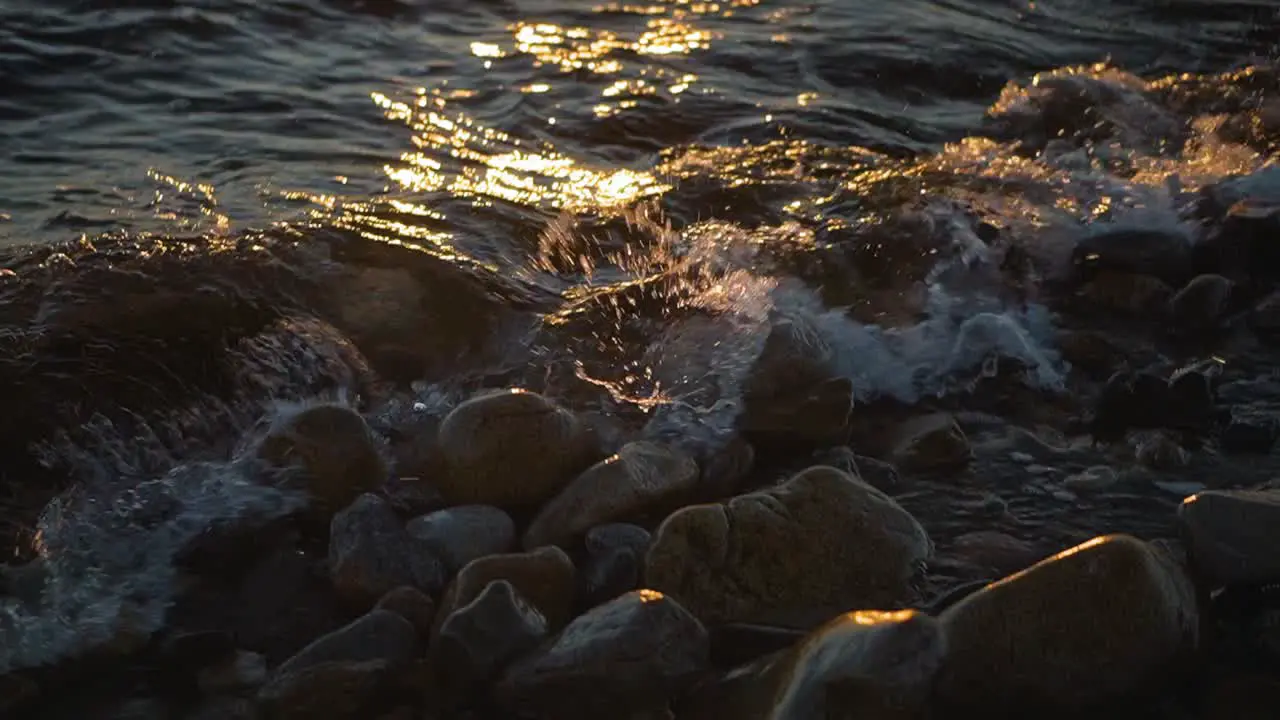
x=335, y=450
x=1091, y=480
x=412, y=496
x=1128, y=401
x=1159, y=451
x=1232, y=535
x=461, y=534
x=1200, y=304
x=931, y=443
x=1142, y=253
x=545, y=577
x=792, y=394
x=411, y=604
x=1192, y=399
x=641, y=477
x=510, y=449
x=378, y=635
x=726, y=467
x=823, y=539
x=994, y=551
x=614, y=563
x=188, y=652
x=1248, y=436
x=241, y=672
x=1093, y=353
x=1127, y=293
x=371, y=554
x=636, y=652
x=1098, y=621
x=328, y=691
x=866, y=664
x=479, y=639
x=1265, y=316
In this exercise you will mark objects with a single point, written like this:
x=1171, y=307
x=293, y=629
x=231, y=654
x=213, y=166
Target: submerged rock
x=377, y=635
x=823, y=539
x=1233, y=536
x=1093, y=623
x=633, y=654
x=545, y=577
x=335, y=450
x=476, y=641
x=865, y=664
x=461, y=534
x=930, y=443
x=371, y=554
x=640, y=477
x=1201, y=304
x=510, y=448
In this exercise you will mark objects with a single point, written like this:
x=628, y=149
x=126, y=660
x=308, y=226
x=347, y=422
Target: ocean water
x=642, y=189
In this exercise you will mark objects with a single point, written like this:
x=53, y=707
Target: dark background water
x=213, y=115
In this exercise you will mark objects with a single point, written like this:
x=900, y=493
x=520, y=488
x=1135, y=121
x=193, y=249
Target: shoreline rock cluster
x=535, y=579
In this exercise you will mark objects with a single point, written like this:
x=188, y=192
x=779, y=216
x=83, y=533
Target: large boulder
x=867, y=664
x=632, y=654
x=641, y=476
x=334, y=449
x=458, y=535
x=511, y=448
x=371, y=554
x=824, y=539
x=1098, y=621
x=1233, y=536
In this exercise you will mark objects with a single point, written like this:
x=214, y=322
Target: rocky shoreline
x=475, y=596
x=1101, y=545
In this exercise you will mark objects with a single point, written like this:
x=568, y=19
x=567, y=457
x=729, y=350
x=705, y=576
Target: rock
x=478, y=640
x=461, y=534
x=371, y=554
x=1248, y=436
x=931, y=443
x=1130, y=401
x=641, y=477
x=792, y=393
x=510, y=449
x=994, y=551
x=1265, y=316
x=725, y=467
x=1093, y=479
x=380, y=635
x=636, y=652
x=1127, y=293
x=412, y=496
x=1156, y=450
x=242, y=671
x=1192, y=398
x=411, y=604
x=335, y=450
x=1201, y=304
x=1144, y=252
x=823, y=539
x=1095, y=622
x=1091, y=352
x=328, y=691
x=614, y=563
x=545, y=577
x=1232, y=535
x=188, y=652
x=866, y=664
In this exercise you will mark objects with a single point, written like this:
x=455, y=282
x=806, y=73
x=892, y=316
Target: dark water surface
x=218, y=115
x=642, y=190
